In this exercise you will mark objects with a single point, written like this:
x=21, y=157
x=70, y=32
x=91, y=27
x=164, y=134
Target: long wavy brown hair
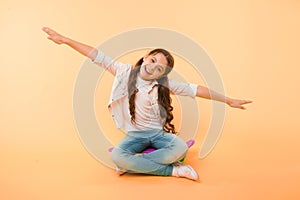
x=164, y=99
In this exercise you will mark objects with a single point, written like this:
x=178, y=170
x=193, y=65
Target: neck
x=149, y=80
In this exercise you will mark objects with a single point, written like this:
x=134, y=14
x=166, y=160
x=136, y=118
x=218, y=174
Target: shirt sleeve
x=183, y=89
x=108, y=63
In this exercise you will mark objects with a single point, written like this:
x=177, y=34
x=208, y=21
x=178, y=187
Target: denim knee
x=116, y=156
x=177, y=150
x=172, y=158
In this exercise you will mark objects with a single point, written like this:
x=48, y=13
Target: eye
x=152, y=60
x=159, y=69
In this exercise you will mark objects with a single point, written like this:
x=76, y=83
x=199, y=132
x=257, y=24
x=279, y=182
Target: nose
x=151, y=68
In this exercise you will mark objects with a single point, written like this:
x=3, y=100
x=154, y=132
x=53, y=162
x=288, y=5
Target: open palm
x=236, y=103
x=54, y=36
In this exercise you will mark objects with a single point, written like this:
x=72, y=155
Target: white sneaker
x=185, y=171
x=120, y=171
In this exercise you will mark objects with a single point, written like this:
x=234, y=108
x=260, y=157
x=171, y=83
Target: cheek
x=145, y=63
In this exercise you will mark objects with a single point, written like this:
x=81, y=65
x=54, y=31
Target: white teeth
x=147, y=70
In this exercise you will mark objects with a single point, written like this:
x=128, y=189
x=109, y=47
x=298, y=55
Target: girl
x=141, y=104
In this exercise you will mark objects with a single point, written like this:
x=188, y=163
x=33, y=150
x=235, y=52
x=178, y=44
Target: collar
x=149, y=85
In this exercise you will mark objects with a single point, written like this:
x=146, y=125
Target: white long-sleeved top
x=147, y=114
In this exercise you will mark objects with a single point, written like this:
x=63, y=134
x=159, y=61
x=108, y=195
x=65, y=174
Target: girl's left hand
x=236, y=103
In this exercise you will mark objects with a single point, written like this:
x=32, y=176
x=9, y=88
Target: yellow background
x=255, y=46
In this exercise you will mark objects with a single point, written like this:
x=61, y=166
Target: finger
x=46, y=29
x=50, y=38
x=248, y=101
x=49, y=31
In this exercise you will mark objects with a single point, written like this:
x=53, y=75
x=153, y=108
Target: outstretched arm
x=84, y=49
x=206, y=93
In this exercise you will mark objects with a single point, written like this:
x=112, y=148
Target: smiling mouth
x=147, y=70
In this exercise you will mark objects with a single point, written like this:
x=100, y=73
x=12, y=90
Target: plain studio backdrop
x=255, y=47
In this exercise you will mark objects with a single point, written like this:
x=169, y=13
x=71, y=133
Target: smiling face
x=153, y=67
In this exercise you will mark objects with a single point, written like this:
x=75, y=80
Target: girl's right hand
x=54, y=36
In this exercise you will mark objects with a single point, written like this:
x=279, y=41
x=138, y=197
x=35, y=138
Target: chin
x=145, y=78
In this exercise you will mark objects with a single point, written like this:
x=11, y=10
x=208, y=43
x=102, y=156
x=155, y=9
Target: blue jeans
x=170, y=148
